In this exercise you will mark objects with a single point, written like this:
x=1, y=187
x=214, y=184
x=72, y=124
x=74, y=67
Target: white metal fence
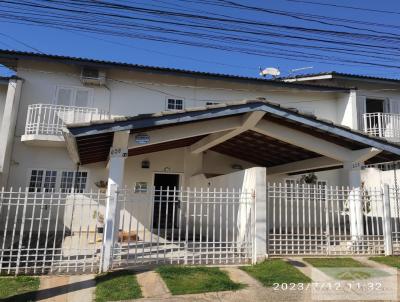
x=185, y=226
x=382, y=124
x=322, y=220
x=394, y=196
x=50, y=232
x=55, y=232
x=48, y=119
x=45, y=232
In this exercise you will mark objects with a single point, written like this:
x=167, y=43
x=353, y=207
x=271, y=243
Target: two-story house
x=72, y=125
x=51, y=91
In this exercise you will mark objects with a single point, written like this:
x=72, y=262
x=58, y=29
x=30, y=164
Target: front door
x=166, y=201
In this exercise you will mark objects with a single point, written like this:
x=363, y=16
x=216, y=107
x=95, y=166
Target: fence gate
x=45, y=232
x=316, y=220
x=184, y=227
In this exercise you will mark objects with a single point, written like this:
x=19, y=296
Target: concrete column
x=116, y=166
x=260, y=215
x=7, y=129
x=353, y=171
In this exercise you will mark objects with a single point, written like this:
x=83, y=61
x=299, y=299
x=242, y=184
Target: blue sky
x=69, y=43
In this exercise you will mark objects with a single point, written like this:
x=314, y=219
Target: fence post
x=353, y=169
x=260, y=215
x=387, y=225
x=116, y=164
x=109, y=227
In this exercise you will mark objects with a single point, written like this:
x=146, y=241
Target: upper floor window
x=74, y=96
x=175, y=104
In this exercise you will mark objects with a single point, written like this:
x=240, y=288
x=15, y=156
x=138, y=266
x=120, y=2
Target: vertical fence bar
x=180, y=223
x=207, y=223
x=21, y=233
x=159, y=221
x=187, y=224
x=174, y=200
x=214, y=230
x=47, y=232
x=387, y=221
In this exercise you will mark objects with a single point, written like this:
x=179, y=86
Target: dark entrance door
x=375, y=121
x=165, y=201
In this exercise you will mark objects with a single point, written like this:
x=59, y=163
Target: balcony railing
x=383, y=125
x=46, y=119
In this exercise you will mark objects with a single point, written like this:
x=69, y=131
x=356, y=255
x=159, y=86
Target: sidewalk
x=253, y=291
x=66, y=288
x=80, y=288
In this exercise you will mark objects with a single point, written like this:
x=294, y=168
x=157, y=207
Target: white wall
x=131, y=93
x=233, y=218
x=332, y=177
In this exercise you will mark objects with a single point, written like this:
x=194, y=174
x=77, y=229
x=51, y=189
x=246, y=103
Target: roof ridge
x=7, y=52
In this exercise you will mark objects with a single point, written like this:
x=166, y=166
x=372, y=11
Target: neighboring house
x=50, y=91
x=378, y=100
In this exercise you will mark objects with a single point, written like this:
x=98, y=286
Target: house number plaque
x=118, y=152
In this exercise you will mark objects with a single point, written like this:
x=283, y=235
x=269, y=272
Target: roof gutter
x=310, y=78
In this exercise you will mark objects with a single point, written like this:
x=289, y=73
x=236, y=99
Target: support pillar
x=353, y=171
x=116, y=166
x=260, y=215
x=7, y=130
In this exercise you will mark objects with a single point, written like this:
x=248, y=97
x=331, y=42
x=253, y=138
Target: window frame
x=73, y=183
x=42, y=187
x=74, y=92
x=174, y=99
x=57, y=187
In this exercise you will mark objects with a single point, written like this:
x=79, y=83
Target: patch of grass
x=12, y=287
x=344, y=268
x=115, y=286
x=388, y=260
x=276, y=271
x=191, y=280
x=333, y=262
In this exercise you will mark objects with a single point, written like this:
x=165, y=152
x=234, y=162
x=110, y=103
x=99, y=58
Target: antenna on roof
x=269, y=71
x=292, y=71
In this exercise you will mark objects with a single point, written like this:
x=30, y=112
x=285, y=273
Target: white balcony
x=44, y=122
x=385, y=125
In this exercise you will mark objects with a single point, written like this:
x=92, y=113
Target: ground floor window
x=75, y=180
x=41, y=180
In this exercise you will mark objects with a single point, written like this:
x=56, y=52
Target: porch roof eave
x=100, y=134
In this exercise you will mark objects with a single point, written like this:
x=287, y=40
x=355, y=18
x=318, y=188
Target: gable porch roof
x=276, y=138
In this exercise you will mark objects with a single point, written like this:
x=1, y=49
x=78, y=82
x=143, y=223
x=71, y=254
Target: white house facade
x=191, y=161
x=50, y=92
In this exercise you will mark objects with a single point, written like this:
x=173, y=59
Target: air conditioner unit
x=93, y=76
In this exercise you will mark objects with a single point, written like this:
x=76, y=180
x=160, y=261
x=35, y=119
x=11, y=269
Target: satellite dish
x=274, y=72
